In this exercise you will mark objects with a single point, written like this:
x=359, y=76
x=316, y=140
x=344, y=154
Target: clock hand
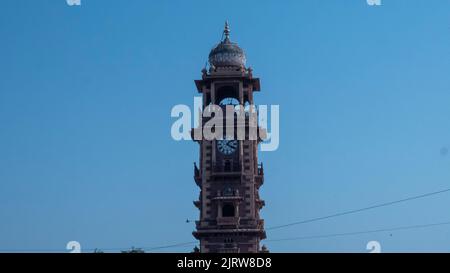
x=232, y=144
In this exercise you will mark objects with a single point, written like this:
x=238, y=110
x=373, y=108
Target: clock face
x=227, y=147
x=229, y=101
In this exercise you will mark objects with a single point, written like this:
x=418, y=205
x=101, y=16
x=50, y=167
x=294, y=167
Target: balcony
x=233, y=222
x=205, y=224
x=252, y=223
x=235, y=167
x=228, y=221
x=227, y=169
x=228, y=248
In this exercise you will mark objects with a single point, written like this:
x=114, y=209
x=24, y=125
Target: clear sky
x=85, y=99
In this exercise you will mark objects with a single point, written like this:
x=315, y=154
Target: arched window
x=228, y=210
x=227, y=92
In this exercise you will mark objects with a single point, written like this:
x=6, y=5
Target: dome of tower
x=227, y=53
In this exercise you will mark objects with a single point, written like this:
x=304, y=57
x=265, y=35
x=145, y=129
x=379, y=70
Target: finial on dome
x=226, y=31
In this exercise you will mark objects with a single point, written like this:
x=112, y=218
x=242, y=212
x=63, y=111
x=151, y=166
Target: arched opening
x=228, y=210
x=227, y=92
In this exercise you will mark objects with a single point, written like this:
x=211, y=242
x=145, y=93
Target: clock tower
x=229, y=175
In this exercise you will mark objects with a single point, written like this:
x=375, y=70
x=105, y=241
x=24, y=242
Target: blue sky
x=85, y=99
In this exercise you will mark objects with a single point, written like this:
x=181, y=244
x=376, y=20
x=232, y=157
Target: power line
x=359, y=232
x=286, y=225
x=170, y=246
x=359, y=210
x=101, y=249
x=272, y=240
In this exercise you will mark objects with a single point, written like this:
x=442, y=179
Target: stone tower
x=229, y=175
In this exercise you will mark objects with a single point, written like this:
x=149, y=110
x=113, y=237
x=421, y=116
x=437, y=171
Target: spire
x=226, y=32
